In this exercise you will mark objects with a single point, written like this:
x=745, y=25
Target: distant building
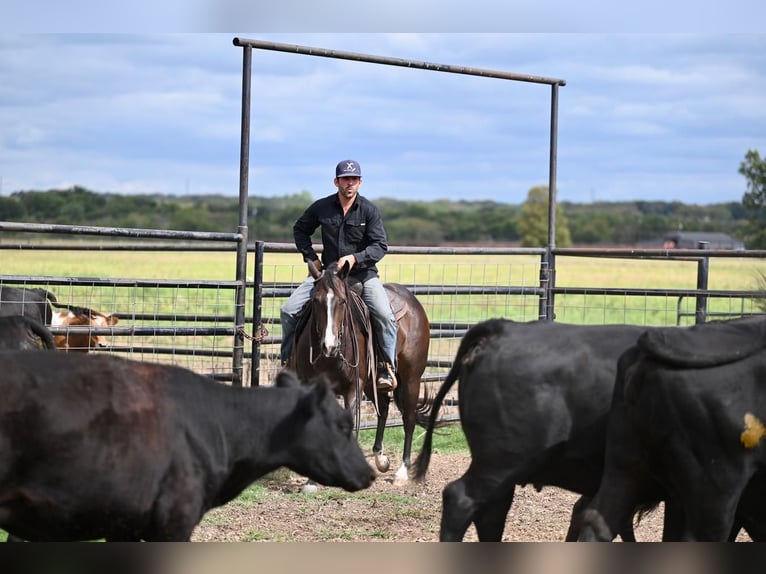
x=691, y=240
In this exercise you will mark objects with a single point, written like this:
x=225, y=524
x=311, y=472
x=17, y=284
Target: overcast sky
x=659, y=116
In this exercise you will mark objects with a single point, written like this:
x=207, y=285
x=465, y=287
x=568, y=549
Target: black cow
x=534, y=400
x=104, y=447
x=686, y=426
x=32, y=303
x=22, y=333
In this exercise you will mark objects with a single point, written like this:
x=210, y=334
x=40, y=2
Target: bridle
x=345, y=322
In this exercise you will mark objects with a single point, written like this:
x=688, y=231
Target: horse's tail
x=423, y=410
x=472, y=338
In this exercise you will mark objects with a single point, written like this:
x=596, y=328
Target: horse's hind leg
x=382, y=463
x=406, y=396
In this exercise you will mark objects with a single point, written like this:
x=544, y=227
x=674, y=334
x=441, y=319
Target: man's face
x=348, y=187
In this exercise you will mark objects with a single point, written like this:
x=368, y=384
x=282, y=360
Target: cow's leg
x=472, y=493
x=709, y=511
x=457, y=511
x=490, y=518
x=613, y=506
x=575, y=520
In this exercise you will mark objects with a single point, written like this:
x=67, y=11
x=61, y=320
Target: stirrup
x=386, y=378
x=384, y=383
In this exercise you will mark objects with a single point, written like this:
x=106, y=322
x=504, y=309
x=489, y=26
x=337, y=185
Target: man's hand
x=347, y=258
x=315, y=267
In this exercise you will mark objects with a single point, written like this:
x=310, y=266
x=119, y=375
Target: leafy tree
x=533, y=224
x=11, y=210
x=754, y=200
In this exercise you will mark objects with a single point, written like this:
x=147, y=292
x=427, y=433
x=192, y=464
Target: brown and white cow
x=81, y=340
x=97, y=446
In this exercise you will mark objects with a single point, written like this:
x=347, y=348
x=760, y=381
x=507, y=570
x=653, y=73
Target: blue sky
x=643, y=116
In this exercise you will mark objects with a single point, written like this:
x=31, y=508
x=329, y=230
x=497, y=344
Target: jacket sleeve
x=303, y=229
x=376, y=244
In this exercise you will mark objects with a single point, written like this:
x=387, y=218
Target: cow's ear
x=113, y=319
x=321, y=387
x=310, y=402
x=286, y=378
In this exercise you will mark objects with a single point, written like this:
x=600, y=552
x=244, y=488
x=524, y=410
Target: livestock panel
x=176, y=301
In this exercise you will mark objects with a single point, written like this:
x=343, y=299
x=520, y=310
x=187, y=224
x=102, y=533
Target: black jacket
x=360, y=233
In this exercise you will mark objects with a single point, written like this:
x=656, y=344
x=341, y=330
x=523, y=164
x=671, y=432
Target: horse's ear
x=315, y=268
x=343, y=271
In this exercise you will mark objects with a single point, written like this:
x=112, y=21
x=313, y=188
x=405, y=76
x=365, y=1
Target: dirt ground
x=389, y=512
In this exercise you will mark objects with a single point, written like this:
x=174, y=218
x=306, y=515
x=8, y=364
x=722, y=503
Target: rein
x=347, y=323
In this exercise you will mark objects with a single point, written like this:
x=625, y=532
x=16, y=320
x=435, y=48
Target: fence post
x=255, y=366
x=244, y=169
x=703, y=268
x=547, y=282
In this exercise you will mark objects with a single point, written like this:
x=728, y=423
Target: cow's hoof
x=309, y=488
x=382, y=463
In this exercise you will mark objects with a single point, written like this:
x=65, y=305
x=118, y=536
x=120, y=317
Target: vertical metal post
x=548, y=268
x=244, y=168
x=703, y=270
x=255, y=366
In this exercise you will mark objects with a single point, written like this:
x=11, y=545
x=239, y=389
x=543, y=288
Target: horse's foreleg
x=382, y=463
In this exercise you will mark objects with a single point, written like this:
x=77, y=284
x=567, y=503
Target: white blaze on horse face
x=329, y=333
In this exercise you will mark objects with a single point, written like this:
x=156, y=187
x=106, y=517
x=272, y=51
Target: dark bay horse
x=334, y=339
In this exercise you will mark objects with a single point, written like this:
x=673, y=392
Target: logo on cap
x=348, y=168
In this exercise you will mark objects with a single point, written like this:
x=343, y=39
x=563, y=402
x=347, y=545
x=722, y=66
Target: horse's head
x=330, y=307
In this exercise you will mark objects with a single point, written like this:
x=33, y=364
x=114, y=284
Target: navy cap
x=348, y=168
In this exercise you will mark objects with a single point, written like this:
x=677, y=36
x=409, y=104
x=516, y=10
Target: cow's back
x=538, y=393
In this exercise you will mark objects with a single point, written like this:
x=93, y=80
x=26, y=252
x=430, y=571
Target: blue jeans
x=374, y=296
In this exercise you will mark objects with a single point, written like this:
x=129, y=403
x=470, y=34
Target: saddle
x=361, y=316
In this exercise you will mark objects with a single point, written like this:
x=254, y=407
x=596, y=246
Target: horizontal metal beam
x=415, y=64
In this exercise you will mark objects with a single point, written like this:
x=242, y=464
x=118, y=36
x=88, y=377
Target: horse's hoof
x=401, y=476
x=382, y=463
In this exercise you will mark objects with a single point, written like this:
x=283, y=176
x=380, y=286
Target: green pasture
x=432, y=270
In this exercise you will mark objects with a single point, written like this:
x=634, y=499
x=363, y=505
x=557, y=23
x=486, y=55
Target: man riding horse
x=353, y=233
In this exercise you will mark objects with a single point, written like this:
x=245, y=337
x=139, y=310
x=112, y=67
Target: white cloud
x=653, y=117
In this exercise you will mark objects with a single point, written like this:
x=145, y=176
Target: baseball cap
x=348, y=168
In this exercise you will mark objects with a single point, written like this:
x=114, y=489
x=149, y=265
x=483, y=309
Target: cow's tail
x=45, y=335
x=45, y=294
x=472, y=338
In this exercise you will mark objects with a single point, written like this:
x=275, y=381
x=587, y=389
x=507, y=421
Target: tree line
x=407, y=222
x=415, y=222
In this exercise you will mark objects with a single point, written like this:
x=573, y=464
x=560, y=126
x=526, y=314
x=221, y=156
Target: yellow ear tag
x=754, y=431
